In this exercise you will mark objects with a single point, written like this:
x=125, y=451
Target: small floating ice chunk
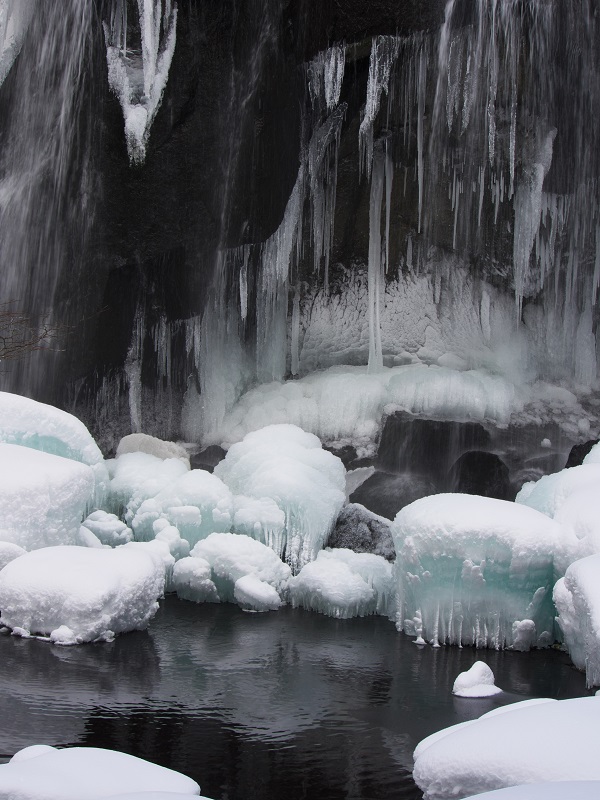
x=89, y=773
x=95, y=593
x=478, y=681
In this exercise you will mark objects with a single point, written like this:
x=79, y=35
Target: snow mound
x=525, y=743
x=288, y=465
x=475, y=570
x=344, y=584
x=577, y=599
x=143, y=443
x=42, y=427
x=478, y=681
x=43, y=497
x=76, y=594
x=107, y=528
x=88, y=773
x=232, y=557
x=560, y=790
x=197, y=503
x=8, y=553
x=550, y=492
x=136, y=477
x=192, y=581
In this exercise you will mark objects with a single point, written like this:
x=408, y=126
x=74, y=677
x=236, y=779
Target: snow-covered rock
x=523, y=743
x=41, y=772
x=107, y=528
x=76, y=594
x=577, y=600
x=475, y=570
x=144, y=443
x=478, y=681
x=560, y=790
x=360, y=530
x=307, y=483
x=8, y=553
x=43, y=497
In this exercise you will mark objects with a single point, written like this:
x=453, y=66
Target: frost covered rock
x=343, y=584
x=42, y=427
x=107, y=528
x=523, y=743
x=76, y=594
x=475, y=570
x=232, y=557
x=577, y=600
x=478, y=681
x=43, y=497
x=307, y=483
x=360, y=530
x=41, y=772
x=143, y=443
x=197, y=503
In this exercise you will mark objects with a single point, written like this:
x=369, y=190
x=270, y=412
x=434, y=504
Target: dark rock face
x=481, y=473
x=208, y=458
x=386, y=493
x=359, y=530
x=579, y=452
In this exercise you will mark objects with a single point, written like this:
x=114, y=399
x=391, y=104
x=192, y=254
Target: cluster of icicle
x=138, y=75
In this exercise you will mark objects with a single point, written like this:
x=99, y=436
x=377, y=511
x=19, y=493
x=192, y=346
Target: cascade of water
x=384, y=51
x=138, y=69
x=46, y=196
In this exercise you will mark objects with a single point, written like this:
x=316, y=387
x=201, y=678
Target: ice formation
x=138, y=72
x=107, y=528
x=43, y=427
x=143, y=443
x=475, y=570
x=288, y=465
x=8, y=552
x=71, y=595
x=577, y=600
x=523, y=743
x=559, y=790
x=15, y=16
x=43, y=497
x=197, y=503
x=41, y=772
x=343, y=584
x=478, y=681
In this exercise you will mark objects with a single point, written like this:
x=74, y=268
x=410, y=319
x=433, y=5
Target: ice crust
x=42, y=427
x=475, y=570
x=478, y=681
x=136, y=477
x=41, y=772
x=525, y=743
x=43, y=497
x=288, y=465
x=77, y=594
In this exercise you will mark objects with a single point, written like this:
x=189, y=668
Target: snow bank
x=76, y=594
x=143, y=443
x=41, y=772
x=550, y=492
x=307, y=483
x=478, y=681
x=42, y=427
x=577, y=599
x=524, y=743
x=475, y=570
x=136, y=477
x=561, y=790
x=343, y=584
x=43, y=497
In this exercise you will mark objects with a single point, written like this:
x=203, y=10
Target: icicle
x=389, y=177
x=295, y=346
x=375, y=273
x=334, y=75
x=596, y=280
x=384, y=51
x=421, y=113
x=133, y=371
x=244, y=285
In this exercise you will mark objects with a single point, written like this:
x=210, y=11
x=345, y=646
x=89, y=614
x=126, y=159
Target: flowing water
x=260, y=706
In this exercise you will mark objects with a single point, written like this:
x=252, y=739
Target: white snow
x=560, y=790
x=41, y=772
x=577, y=599
x=475, y=570
x=253, y=594
x=107, y=528
x=288, y=465
x=143, y=443
x=8, y=552
x=525, y=743
x=551, y=491
x=192, y=581
x=343, y=584
x=42, y=427
x=478, y=681
x=43, y=497
x=78, y=594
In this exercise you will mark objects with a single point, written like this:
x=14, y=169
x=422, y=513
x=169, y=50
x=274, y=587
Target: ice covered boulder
x=76, y=594
x=41, y=772
x=232, y=557
x=136, y=477
x=107, y=528
x=307, y=483
x=550, y=492
x=8, y=553
x=577, y=600
x=360, y=530
x=343, y=584
x=261, y=518
x=523, y=743
x=42, y=427
x=197, y=503
x=478, y=681
x=475, y=570
x=43, y=497
x=192, y=580
x=143, y=443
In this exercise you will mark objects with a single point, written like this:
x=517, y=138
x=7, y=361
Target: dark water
x=287, y=704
